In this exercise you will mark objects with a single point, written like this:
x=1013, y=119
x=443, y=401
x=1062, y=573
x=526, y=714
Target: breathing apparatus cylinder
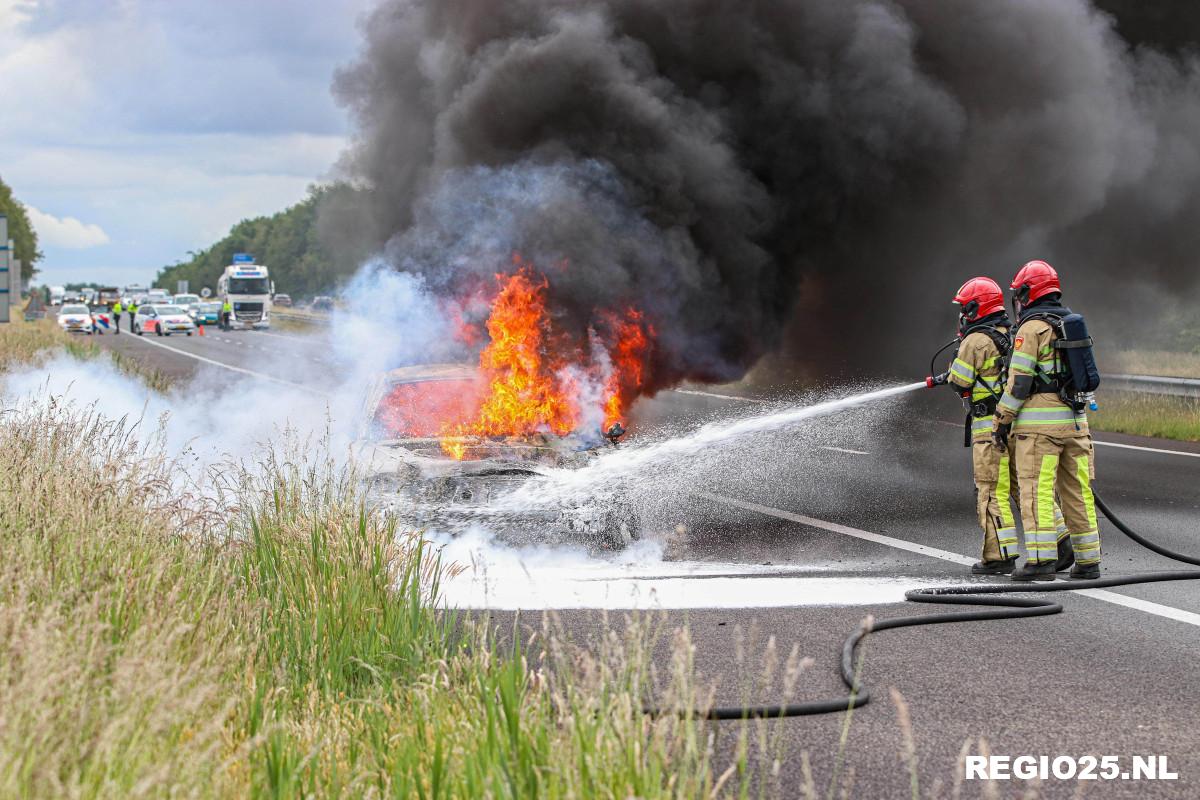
x=1080, y=361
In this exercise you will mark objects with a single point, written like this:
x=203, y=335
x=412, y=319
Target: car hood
x=424, y=459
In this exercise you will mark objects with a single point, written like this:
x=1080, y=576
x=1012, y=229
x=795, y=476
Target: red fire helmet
x=1034, y=280
x=979, y=297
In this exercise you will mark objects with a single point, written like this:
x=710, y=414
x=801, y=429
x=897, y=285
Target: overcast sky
x=137, y=130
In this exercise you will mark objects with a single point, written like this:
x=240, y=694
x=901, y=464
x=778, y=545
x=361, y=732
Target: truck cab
x=247, y=287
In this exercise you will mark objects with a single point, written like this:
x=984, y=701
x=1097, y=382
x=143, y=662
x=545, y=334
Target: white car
x=185, y=300
x=76, y=319
x=163, y=320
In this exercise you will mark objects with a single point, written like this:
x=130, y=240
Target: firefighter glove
x=1000, y=434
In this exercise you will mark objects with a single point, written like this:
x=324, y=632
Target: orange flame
x=527, y=390
x=523, y=395
x=628, y=357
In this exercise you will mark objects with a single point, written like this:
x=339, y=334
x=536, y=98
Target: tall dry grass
x=296, y=648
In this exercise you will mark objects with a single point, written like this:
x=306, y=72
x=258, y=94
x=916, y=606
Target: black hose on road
x=985, y=595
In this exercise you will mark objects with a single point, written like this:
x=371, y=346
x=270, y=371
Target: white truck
x=57, y=293
x=248, y=288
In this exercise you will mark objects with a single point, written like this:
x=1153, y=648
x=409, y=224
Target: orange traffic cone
x=200, y=328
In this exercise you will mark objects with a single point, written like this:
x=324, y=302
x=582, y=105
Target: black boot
x=1003, y=567
x=1034, y=572
x=1066, y=554
x=1085, y=572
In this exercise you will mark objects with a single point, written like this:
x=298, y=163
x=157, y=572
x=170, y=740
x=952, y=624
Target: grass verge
x=278, y=639
x=1148, y=415
x=1153, y=362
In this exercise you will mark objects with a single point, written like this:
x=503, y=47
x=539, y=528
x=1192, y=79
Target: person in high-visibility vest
x=226, y=315
x=117, y=308
x=132, y=309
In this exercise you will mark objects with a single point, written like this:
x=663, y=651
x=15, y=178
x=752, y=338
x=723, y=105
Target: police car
x=76, y=319
x=163, y=320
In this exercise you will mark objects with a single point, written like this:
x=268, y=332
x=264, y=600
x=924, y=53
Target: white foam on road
x=507, y=579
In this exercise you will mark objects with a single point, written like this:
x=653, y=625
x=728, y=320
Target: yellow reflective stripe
x=963, y=370
x=1004, y=495
x=1010, y=403
x=982, y=424
x=1045, y=539
x=1045, y=416
x=1022, y=361
x=1085, y=486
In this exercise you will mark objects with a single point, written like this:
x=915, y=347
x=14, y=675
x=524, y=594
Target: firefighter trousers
x=1047, y=466
x=996, y=484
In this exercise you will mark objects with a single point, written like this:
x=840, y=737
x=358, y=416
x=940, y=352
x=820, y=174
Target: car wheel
x=158, y=330
x=138, y=331
x=189, y=333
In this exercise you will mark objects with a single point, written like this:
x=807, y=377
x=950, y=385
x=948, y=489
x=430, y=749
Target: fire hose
x=991, y=595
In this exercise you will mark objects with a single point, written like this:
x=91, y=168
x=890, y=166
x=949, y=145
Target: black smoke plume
x=808, y=175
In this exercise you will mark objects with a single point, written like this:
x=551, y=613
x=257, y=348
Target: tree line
x=24, y=237
x=288, y=242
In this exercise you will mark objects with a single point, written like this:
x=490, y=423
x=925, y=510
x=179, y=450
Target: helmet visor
x=1020, y=298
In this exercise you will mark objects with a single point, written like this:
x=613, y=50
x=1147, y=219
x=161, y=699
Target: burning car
x=431, y=470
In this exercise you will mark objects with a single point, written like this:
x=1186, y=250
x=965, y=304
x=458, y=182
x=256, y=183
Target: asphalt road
x=1116, y=674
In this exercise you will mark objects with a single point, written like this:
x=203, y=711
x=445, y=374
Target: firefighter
x=117, y=308
x=1053, y=447
x=977, y=374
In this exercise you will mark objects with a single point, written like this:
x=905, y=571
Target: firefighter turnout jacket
x=977, y=368
x=1053, y=447
x=1043, y=410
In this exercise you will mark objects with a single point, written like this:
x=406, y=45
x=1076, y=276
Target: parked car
x=283, y=300
x=163, y=320
x=322, y=303
x=76, y=318
x=205, y=313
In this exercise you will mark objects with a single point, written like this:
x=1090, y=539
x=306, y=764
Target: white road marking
x=845, y=450
x=232, y=368
x=1148, y=449
x=1148, y=607
x=1111, y=444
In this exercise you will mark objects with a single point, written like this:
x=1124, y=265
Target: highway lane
x=1101, y=678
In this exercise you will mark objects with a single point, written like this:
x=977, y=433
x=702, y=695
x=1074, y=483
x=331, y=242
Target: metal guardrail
x=1152, y=384
x=301, y=317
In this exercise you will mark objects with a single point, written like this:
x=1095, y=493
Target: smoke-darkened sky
x=766, y=173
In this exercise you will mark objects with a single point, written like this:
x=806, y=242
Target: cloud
x=65, y=232
x=162, y=124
